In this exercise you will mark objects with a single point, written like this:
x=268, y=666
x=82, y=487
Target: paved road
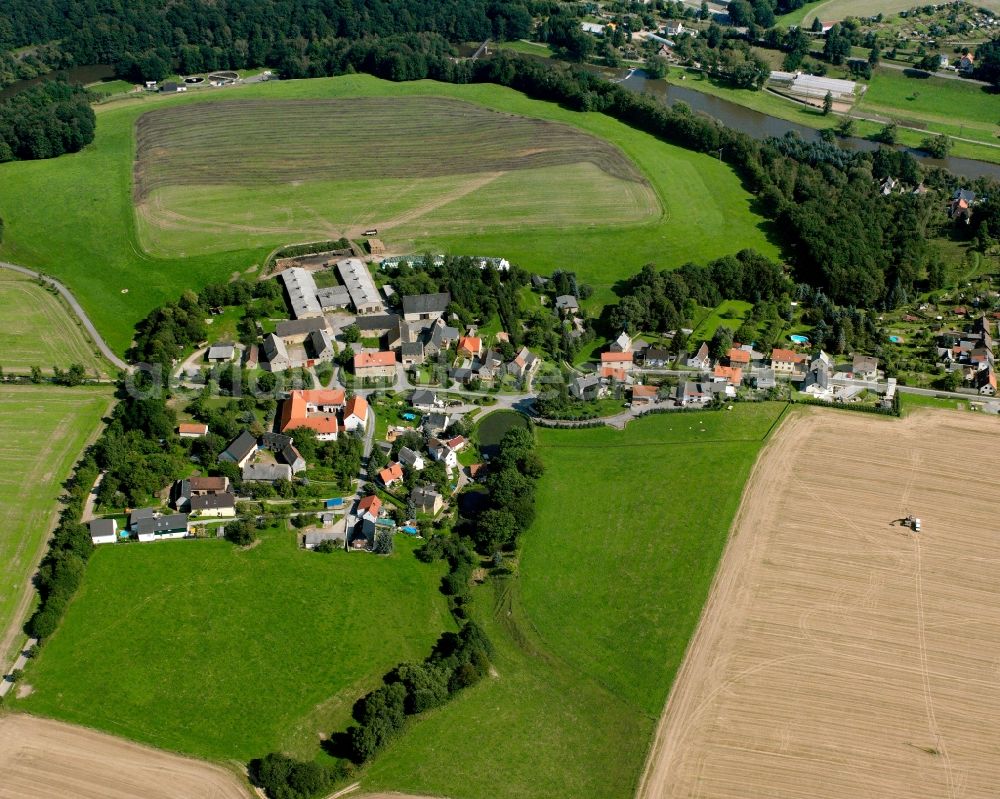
x=77, y=309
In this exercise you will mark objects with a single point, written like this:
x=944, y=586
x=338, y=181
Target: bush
x=283, y=777
x=241, y=532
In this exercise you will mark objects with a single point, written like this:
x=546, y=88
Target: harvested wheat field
x=42, y=759
x=840, y=654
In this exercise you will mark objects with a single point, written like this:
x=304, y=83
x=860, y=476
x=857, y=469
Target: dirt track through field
x=841, y=655
x=43, y=759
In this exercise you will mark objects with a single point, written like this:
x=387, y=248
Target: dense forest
x=45, y=121
x=143, y=37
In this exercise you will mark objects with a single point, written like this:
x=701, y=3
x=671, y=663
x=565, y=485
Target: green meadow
x=613, y=576
x=42, y=432
x=201, y=647
x=74, y=217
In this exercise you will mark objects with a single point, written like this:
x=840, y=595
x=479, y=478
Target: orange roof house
x=738, y=356
x=616, y=374
x=365, y=360
x=731, y=374
x=192, y=429
x=643, y=394
x=391, y=474
x=356, y=413
x=315, y=409
x=370, y=507
x=470, y=346
x=616, y=357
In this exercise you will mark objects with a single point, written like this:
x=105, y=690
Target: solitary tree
x=828, y=103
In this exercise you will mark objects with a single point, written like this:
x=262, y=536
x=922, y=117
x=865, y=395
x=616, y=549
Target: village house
x=730, y=375
x=376, y=326
x=368, y=508
x=425, y=400
x=986, y=381
x=622, y=344
x=617, y=360
x=321, y=346
x=786, y=361
x=435, y=424
x=524, y=364
x=440, y=338
x=356, y=414
x=426, y=500
x=470, y=346
x=335, y=531
x=966, y=64
x=691, y=393
x=314, y=408
x=412, y=353
x=864, y=367
x=391, y=474
x=159, y=527
x=296, y=331
x=411, y=459
x=290, y=456
x=960, y=209
x=763, y=379
x=192, y=430
x=216, y=505
x=440, y=451
x=655, y=358
x=421, y=307
x=188, y=488
x=240, y=451
x=700, y=360
x=276, y=358
x=266, y=472
x=567, y=304
x=103, y=531
x=643, y=395
x=220, y=353
x=375, y=365
x=737, y=356
x=588, y=388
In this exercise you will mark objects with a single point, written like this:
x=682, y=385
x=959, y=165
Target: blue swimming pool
x=800, y=339
x=409, y=416
x=895, y=339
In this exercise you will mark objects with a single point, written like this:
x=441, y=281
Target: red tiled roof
x=616, y=357
x=391, y=472
x=193, y=428
x=731, y=373
x=457, y=442
x=644, y=392
x=788, y=356
x=357, y=406
x=294, y=409
x=617, y=374
x=366, y=359
x=370, y=505
x=471, y=344
x=737, y=355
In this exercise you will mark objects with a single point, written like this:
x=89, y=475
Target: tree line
x=45, y=121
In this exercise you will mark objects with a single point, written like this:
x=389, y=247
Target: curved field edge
x=73, y=216
x=47, y=759
x=612, y=581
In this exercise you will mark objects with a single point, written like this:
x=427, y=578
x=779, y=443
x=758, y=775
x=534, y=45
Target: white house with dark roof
x=411, y=459
x=222, y=506
x=241, y=450
x=220, y=353
x=103, y=531
x=266, y=472
x=701, y=359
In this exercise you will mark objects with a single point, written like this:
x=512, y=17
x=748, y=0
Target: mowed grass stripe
x=38, y=330
x=364, y=138
x=44, y=430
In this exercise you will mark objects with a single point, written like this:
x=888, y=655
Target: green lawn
x=729, y=313
x=613, y=576
x=836, y=10
x=910, y=402
x=73, y=216
x=40, y=330
x=43, y=430
x=223, y=653
x=962, y=108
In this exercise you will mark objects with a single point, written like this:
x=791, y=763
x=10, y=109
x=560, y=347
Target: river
x=91, y=73
x=760, y=126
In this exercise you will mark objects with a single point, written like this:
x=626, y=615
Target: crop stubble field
x=836, y=10
x=841, y=654
x=42, y=432
x=44, y=759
